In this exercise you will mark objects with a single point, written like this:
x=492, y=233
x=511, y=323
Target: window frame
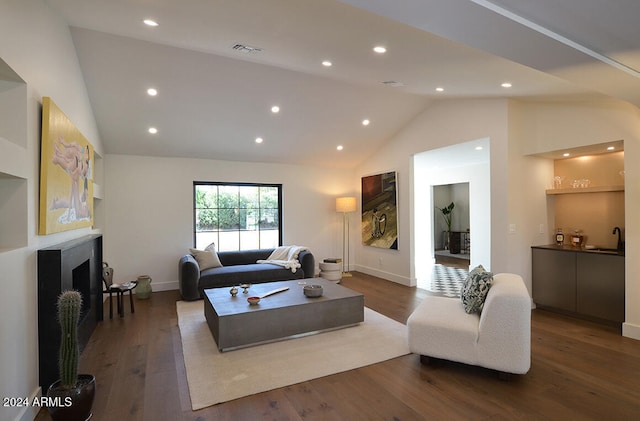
x=278, y=186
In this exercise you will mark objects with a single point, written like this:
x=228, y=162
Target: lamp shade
x=345, y=204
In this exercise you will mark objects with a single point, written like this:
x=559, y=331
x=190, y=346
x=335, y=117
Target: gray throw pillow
x=207, y=258
x=475, y=289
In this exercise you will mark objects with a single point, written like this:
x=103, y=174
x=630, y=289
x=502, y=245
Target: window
x=237, y=216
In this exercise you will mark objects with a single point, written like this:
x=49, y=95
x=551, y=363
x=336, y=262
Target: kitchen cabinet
x=577, y=281
x=554, y=279
x=600, y=286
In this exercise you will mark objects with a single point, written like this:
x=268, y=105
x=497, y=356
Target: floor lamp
x=345, y=205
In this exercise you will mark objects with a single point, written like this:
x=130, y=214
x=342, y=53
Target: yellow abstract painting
x=66, y=174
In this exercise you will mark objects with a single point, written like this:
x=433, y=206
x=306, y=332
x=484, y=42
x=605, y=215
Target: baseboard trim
x=386, y=275
x=165, y=286
x=29, y=412
x=631, y=331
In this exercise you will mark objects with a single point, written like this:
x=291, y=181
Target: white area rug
x=216, y=377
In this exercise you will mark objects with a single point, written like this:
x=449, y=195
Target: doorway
x=458, y=174
x=452, y=248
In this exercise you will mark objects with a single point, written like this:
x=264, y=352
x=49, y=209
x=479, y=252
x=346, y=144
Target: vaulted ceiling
x=214, y=100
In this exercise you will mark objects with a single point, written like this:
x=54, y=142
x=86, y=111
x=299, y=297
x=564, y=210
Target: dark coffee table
x=235, y=323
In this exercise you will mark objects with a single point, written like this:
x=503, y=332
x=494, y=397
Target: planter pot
x=72, y=404
x=143, y=287
x=454, y=242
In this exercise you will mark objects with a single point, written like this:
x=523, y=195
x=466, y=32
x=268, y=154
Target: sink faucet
x=620, y=242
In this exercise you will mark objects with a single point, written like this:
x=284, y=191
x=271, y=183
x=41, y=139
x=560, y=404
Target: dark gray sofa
x=237, y=267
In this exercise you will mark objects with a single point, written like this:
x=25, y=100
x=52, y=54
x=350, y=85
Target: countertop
x=566, y=247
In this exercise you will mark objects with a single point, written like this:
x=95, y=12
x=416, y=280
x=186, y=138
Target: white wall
x=149, y=220
x=542, y=127
x=528, y=179
x=38, y=47
x=460, y=196
x=442, y=124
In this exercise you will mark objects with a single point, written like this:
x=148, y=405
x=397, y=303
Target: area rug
x=216, y=377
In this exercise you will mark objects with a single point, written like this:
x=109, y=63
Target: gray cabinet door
x=554, y=279
x=601, y=286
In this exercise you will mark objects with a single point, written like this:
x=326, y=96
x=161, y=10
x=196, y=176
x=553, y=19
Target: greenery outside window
x=237, y=216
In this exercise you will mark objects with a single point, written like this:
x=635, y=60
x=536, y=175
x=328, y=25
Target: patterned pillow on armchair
x=475, y=289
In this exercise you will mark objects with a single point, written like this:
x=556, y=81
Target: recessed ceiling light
x=439, y=89
x=153, y=130
x=566, y=154
x=275, y=109
x=327, y=63
x=150, y=22
x=479, y=148
x=365, y=122
x=611, y=148
x=506, y=85
x=340, y=147
x=259, y=140
x=152, y=92
x=379, y=49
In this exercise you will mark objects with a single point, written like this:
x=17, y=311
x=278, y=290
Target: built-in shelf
x=597, y=189
x=98, y=171
x=14, y=161
x=13, y=212
x=13, y=106
x=97, y=191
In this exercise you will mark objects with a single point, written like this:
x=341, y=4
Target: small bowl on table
x=312, y=291
x=253, y=300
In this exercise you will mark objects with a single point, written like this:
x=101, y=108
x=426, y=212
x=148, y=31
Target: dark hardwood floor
x=580, y=370
x=452, y=261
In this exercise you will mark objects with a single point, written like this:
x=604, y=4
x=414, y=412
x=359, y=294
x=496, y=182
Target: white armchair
x=499, y=338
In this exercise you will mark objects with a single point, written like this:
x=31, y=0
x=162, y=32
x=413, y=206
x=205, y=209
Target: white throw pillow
x=207, y=258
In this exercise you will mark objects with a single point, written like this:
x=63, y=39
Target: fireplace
x=81, y=282
x=76, y=264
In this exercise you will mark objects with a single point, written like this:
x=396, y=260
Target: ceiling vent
x=393, y=83
x=246, y=48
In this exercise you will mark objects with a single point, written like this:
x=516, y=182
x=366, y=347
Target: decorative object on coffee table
x=274, y=291
x=345, y=205
x=312, y=291
x=233, y=291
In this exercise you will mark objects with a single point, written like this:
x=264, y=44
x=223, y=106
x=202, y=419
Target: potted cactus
x=71, y=397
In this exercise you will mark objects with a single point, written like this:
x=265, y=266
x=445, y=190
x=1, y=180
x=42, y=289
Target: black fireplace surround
x=76, y=264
